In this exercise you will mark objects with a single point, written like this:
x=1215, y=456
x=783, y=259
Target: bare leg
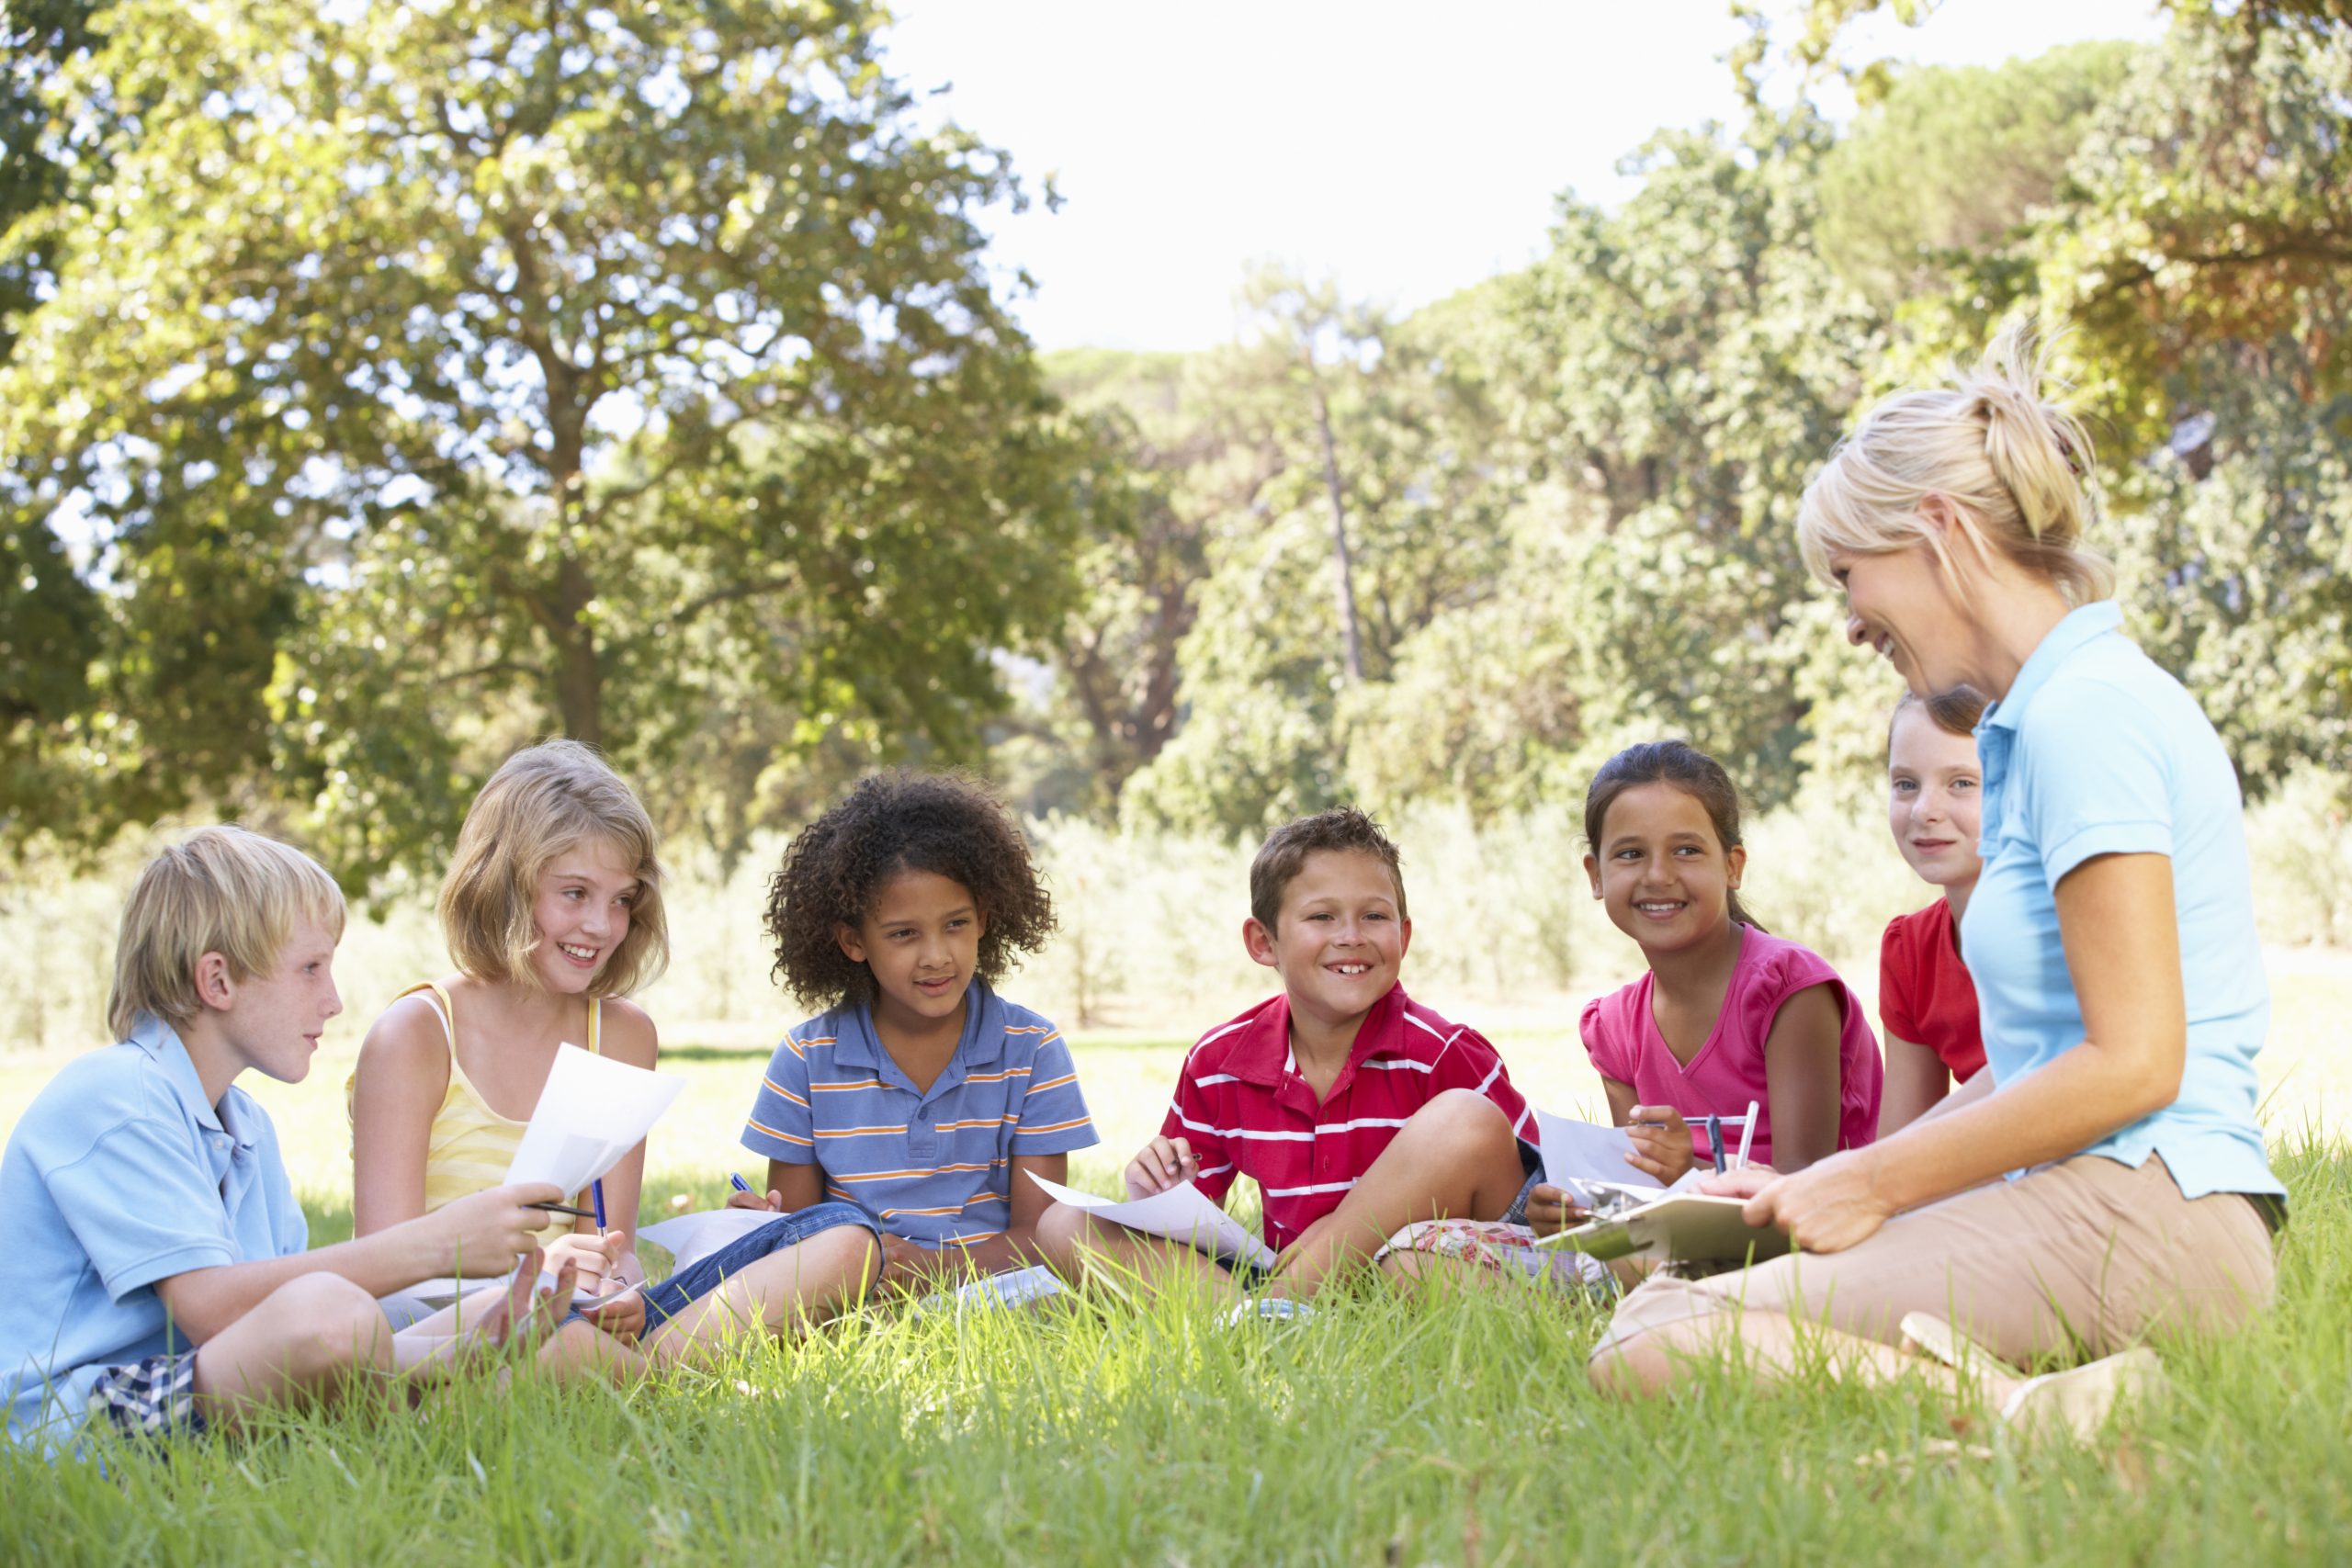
x=1075, y=1244
x=1779, y=1349
x=1455, y=1158
x=303, y=1344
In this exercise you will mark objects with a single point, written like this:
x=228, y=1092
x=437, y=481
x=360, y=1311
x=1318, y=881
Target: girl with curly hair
x=916, y=1092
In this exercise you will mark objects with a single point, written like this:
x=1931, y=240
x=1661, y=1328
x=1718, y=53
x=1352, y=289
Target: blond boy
x=159, y=1280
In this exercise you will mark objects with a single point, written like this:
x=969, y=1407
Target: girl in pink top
x=1728, y=1013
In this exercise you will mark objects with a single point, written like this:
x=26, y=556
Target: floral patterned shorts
x=1506, y=1249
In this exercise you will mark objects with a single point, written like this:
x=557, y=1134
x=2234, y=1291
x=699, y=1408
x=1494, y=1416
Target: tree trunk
x=1351, y=646
x=580, y=671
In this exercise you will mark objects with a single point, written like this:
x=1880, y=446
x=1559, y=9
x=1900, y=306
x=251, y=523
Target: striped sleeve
x=781, y=1125
x=1052, y=1112
x=1192, y=1118
x=1470, y=1061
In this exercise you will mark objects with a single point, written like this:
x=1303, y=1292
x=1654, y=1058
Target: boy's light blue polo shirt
x=2093, y=751
x=933, y=1166
x=121, y=1175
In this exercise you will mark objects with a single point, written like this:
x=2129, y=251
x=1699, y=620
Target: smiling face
x=273, y=1021
x=1660, y=870
x=920, y=937
x=1338, y=940
x=1933, y=788
x=1904, y=603
x=581, y=914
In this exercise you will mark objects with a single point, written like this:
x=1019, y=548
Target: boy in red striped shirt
x=1356, y=1110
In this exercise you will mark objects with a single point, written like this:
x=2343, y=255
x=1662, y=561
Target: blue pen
x=736, y=1179
x=596, y=1197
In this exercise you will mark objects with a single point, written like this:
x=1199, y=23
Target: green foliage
x=1954, y=160
x=459, y=375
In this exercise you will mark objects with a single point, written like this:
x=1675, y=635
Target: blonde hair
x=2015, y=468
x=223, y=889
x=546, y=800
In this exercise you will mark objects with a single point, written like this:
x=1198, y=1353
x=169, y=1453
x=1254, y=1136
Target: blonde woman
x=552, y=911
x=2104, y=1183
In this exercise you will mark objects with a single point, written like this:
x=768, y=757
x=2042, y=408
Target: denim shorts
x=668, y=1299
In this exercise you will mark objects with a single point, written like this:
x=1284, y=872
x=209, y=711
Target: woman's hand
x=1550, y=1211
x=1661, y=1140
x=1162, y=1164
x=1745, y=1182
x=1826, y=1207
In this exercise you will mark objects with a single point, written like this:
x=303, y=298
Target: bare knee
x=1460, y=1118
x=325, y=1321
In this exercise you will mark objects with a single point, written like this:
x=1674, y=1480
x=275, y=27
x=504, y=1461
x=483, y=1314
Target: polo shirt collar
x=856, y=1045
x=165, y=1048
x=2081, y=627
x=1264, y=1056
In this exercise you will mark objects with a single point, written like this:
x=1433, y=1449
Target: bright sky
x=1408, y=150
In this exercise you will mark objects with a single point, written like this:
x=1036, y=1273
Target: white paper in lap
x=1577, y=1153
x=690, y=1238
x=1183, y=1213
x=593, y=1111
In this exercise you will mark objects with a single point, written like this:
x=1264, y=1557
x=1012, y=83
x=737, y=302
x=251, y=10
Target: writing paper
x=1576, y=1154
x=593, y=1111
x=690, y=1238
x=1183, y=1213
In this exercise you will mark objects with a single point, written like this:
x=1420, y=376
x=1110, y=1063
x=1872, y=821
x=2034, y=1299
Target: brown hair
x=947, y=824
x=1956, y=711
x=226, y=890
x=1284, y=855
x=2015, y=467
x=544, y=801
x=1688, y=768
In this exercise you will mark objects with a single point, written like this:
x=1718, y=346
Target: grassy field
x=1394, y=1429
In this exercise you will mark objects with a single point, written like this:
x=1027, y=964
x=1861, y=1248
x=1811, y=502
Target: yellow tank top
x=471, y=1146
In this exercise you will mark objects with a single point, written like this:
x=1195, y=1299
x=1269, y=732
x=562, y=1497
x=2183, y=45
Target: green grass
x=1444, y=1428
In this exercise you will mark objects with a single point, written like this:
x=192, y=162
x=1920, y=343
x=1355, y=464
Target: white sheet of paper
x=593, y=1110
x=1182, y=1214
x=690, y=1238
x=1576, y=1152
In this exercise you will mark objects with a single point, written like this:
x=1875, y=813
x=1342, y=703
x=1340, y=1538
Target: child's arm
x=402, y=1076
x=1804, y=1076
x=475, y=1236
x=1661, y=1139
x=1916, y=1079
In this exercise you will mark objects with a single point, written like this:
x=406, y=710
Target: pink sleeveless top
x=1621, y=1035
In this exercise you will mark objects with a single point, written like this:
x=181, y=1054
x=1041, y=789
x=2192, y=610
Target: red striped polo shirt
x=1243, y=1107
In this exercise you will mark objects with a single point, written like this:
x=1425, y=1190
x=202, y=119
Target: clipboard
x=1681, y=1227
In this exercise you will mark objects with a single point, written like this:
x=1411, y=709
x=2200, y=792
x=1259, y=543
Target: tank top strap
x=442, y=1009
x=595, y=1026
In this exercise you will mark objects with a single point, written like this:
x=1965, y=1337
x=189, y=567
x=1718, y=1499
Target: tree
x=446, y=375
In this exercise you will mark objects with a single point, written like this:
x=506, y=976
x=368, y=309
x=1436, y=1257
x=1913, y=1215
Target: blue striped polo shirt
x=933, y=1166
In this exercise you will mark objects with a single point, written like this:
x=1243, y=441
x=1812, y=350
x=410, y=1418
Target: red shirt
x=1243, y=1107
x=1924, y=993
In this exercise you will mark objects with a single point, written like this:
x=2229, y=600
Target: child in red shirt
x=1356, y=1110
x=1926, y=1000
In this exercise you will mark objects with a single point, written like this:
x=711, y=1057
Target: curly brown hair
x=948, y=824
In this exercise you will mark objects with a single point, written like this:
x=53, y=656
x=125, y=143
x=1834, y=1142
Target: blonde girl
x=552, y=911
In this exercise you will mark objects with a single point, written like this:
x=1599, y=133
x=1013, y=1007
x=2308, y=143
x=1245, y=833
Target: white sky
x=1408, y=150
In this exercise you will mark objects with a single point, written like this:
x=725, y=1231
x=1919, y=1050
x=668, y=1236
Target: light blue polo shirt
x=121, y=1175
x=933, y=1166
x=2094, y=750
